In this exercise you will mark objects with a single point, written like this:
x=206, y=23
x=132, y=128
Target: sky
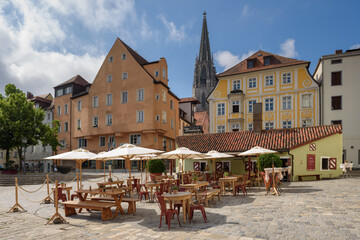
x=44, y=43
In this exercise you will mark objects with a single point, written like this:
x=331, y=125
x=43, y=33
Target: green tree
x=265, y=161
x=19, y=119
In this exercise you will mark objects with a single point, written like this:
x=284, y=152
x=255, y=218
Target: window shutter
x=310, y=162
x=332, y=164
x=218, y=166
x=196, y=166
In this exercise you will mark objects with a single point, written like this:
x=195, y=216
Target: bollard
x=16, y=206
x=59, y=218
x=48, y=199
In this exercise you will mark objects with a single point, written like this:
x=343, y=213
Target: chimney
x=338, y=51
x=257, y=117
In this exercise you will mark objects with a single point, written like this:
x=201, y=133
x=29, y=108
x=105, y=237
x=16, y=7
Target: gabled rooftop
x=77, y=80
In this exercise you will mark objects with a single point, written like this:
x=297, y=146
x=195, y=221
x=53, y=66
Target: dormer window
x=267, y=61
x=250, y=64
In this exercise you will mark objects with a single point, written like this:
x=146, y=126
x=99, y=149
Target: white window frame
x=124, y=76
x=269, y=104
x=164, y=96
x=82, y=143
x=59, y=110
x=100, y=138
x=66, y=126
x=321, y=160
x=135, y=139
x=79, y=124
x=108, y=119
x=62, y=143
x=164, y=73
x=306, y=122
x=140, y=94
x=286, y=78
x=109, y=99
x=286, y=102
x=220, y=128
x=140, y=116
x=79, y=105
x=59, y=92
x=111, y=59
x=252, y=82
x=157, y=117
x=250, y=126
x=285, y=124
x=309, y=100
x=251, y=105
x=234, y=103
x=109, y=78
x=235, y=126
x=95, y=101
x=157, y=96
x=95, y=122
x=220, y=110
x=236, y=85
x=269, y=125
x=123, y=56
x=164, y=116
x=123, y=94
x=269, y=80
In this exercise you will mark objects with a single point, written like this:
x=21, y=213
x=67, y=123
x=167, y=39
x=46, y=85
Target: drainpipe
x=292, y=166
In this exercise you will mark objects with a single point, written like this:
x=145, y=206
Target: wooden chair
x=168, y=213
x=61, y=195
x=198, y=206
x=143, y=192
x=161, y=190
x=241, y=185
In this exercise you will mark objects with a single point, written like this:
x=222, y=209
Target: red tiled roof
x=275, y=139
x=258, y=57
x=76, y=79
x=189, y=99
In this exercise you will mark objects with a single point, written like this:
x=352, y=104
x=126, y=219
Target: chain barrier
x=72, y=180
x=22, y=194
x=113, y=175
x=32, y=191
x=96, y=181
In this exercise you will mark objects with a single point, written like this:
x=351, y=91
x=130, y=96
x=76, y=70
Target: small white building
x=339, y=77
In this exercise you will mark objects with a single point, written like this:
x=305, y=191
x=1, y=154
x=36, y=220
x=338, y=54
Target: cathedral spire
x=204, y=54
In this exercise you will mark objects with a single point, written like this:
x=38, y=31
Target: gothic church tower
x=204, y=74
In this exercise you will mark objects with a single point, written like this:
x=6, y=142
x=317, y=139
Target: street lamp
x=24, y=141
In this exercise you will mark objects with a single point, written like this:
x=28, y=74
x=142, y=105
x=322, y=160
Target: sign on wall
x=312, y=146
x=193, y=129
x=310, y=162
x=332, y=163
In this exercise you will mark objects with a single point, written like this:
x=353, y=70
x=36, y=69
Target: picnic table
x=231, y=181
x=185, y=197
x=67, y=189
x=152, y=185
x=194, y=187
x=117, y=183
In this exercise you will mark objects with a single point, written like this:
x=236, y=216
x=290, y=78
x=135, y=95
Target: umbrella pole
x=80, y=174
x=249, y=168
x=214, y=170
x=182, y=171
x=131, y=188
x=171, y=166
x=258, y=171
x=141, y=169
x=104, y=171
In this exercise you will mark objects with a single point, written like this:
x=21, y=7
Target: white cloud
x=245, y=11
x=287, y=48
x=227, y=60
x=355, y=46
x=175, y=34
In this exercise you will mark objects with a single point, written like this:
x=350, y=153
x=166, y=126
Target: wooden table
x=230, y=180
x=67, y=189
x=185, y=197
x=151, y=185
x=116, y=194
x=117, y=183
x=193, y=187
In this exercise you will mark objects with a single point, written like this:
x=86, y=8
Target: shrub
x=265, y=161
x=156, y=166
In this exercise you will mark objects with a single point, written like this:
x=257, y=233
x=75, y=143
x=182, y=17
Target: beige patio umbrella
x=181, y=154
x=214, y=155
x=256, y=151
x=128, y=152
x=79, y=155
x=145, y=157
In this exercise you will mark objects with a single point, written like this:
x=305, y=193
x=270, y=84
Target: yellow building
x=284, y=86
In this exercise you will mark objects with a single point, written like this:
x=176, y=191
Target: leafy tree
x=265, y=161
x=19, y=119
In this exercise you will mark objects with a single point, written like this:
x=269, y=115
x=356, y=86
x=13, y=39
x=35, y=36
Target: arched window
x=203, y=76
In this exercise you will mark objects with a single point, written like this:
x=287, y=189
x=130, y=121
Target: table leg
x=188, y=206
x=151, y=194
x=118, y=205
x=83, y=198
x=184, y=210
x=233, y=187
x=68, y=194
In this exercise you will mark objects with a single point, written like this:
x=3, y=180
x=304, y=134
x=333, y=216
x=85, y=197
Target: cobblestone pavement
x=327, y=209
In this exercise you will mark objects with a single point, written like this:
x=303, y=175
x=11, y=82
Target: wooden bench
x=127, y=200
x=104, y=207
x=312, y=175
x=210, y=194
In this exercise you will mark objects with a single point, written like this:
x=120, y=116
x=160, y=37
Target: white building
x=339, y=76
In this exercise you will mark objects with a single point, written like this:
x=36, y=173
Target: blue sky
x=47, y=42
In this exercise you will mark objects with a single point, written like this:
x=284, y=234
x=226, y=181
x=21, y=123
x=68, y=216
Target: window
x=66, y=126
x=235, y=107
x=287, y=103
x=172, y=123
x=250, y=64
x=102, y=141
x=236, y=85
x=109, y=78
x=124, y=75
x=269, y=125
x=59, y=110
x=221, y=128
x=59, y=92
x=140, y=116
x=324, y=163
x=124, y=97
x=48, y=116
x=171, y=104
x=68, y=90
x=163, y=96
x=156, y=73
x=111, y=59
x=164, y=117
x=251, y=127
x=66, y=109
x=287, y=124
x=251, y=105
x=36, y=105
x=140, y=94
x=109, y=99
x=336, y=61
x=269, y=80
x=157, y=117
x=306, y=122
x=108, y=119
x=62, y=144
x=336, y=78
x=95, y=121
x=336, y=122
x=79, y=123
x=95, y=101
x=235, y=127
x=269, y=104
x=112, y=143
x=286, y=78
x=221, y=109
x=267, y=61
x=123, y=56
x=79, y=105
x=157, y=96
x=135, y=139
x=306, y=101
x=164, y=73
x=82, y=143
x=59, y=130
x=336, y=103
x=252, y=82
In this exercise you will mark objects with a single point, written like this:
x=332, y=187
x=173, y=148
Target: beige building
x=339, y=76
x=129, y=101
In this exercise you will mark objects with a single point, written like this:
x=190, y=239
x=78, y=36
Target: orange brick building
x=129, y=101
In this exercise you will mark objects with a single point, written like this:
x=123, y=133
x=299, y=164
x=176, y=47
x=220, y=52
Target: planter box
x=9, y=171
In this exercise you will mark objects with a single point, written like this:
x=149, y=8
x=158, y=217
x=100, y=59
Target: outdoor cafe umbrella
x=256, y=151
x=79, y=155
x=145, y=157
x=128, y=152
x=215, y=154
x=181, y=153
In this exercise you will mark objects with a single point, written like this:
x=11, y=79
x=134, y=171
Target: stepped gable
x=258, y=58
x=275, y=139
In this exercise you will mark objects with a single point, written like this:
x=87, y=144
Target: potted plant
x=194, y=178
x=156, y=167
x=226, y=174
x=102, y=188
x=174, y=189
x=110, y=179
x=62, y=184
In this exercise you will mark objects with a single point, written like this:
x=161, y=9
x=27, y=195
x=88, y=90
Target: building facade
x=338, y=75
x=187, y=116
x=129, y=101
x=204, y=73
x=284, y=86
